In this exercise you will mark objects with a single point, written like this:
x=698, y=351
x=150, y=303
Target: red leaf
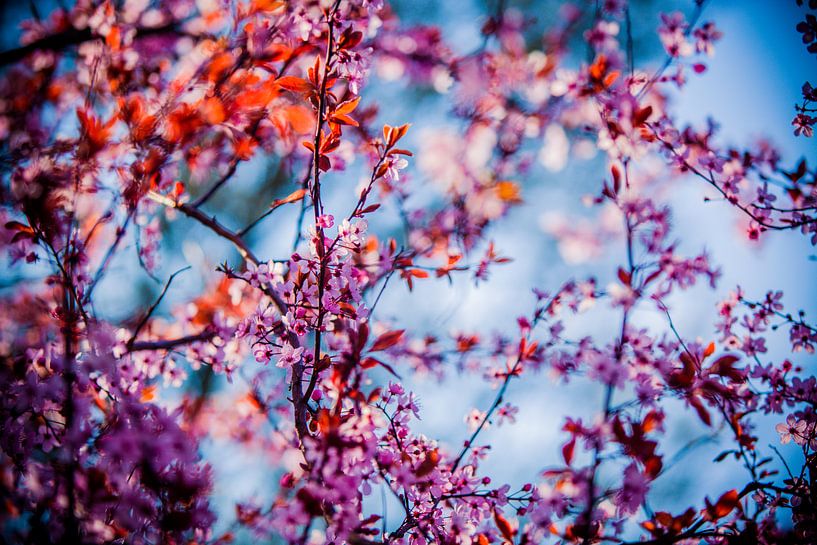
x=504, y=526
x=651, y=421
x=611, y=78
x=428, y=464
x=703, y=414
x=387, y=340
x=641, y=116
x=324, y=163
x=370, y=208
x=653, y=466
x=725, y=367
x=95, y=133
x=616, y=178
x=17, y=226
x=725, y=504
x=244, y=146
x=362, y=337
x=567, y=450
x=368, y=363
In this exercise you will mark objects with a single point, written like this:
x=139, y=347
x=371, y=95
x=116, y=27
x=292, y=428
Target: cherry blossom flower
x=792, y=429
x=289, y=355
x=474, y=419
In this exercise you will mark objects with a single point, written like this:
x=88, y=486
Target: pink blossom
x=792, y=429
x=289, y=355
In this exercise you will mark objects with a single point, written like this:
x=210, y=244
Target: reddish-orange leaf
x=725, y=367
x=616, y=178
x=641, y=116
x=398, y=133
x=148, y=394
x=504, y=526
x=611, y=78
x=703, y=414
x=568, y=449
x=100, y=403
x=368, y=363
x=95, y=133
x=653, y=466
x=291, y=83
x=598, y=68
x=327, y=421
x=508, y=191
x=114, y=38
x=663, y=518
x=256, y=97
x=244, y=146
x=651, y=421
x=344, y=119
x=144, y=128
x=253, y=401
x=17, y=226
x=213, y=110
x=725, y=504
x=324, y=163
x=300, y=117
x=267, y=5
x=649, y=526
x=219, y=65
x=387, y=340
x=347, y=107
x=369, y=209
x=295, y=196
x=182, y=123
x=428, y=464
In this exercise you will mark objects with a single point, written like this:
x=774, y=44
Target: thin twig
x=153, y=307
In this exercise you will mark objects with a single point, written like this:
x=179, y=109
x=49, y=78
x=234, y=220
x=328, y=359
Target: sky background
x=750, y=87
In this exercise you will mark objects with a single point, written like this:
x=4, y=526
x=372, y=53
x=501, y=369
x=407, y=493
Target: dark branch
x=71, y=37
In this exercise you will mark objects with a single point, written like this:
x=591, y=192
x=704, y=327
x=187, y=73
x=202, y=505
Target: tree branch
x=71, y=37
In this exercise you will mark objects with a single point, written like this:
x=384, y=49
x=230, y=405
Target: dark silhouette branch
x=72, y=37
